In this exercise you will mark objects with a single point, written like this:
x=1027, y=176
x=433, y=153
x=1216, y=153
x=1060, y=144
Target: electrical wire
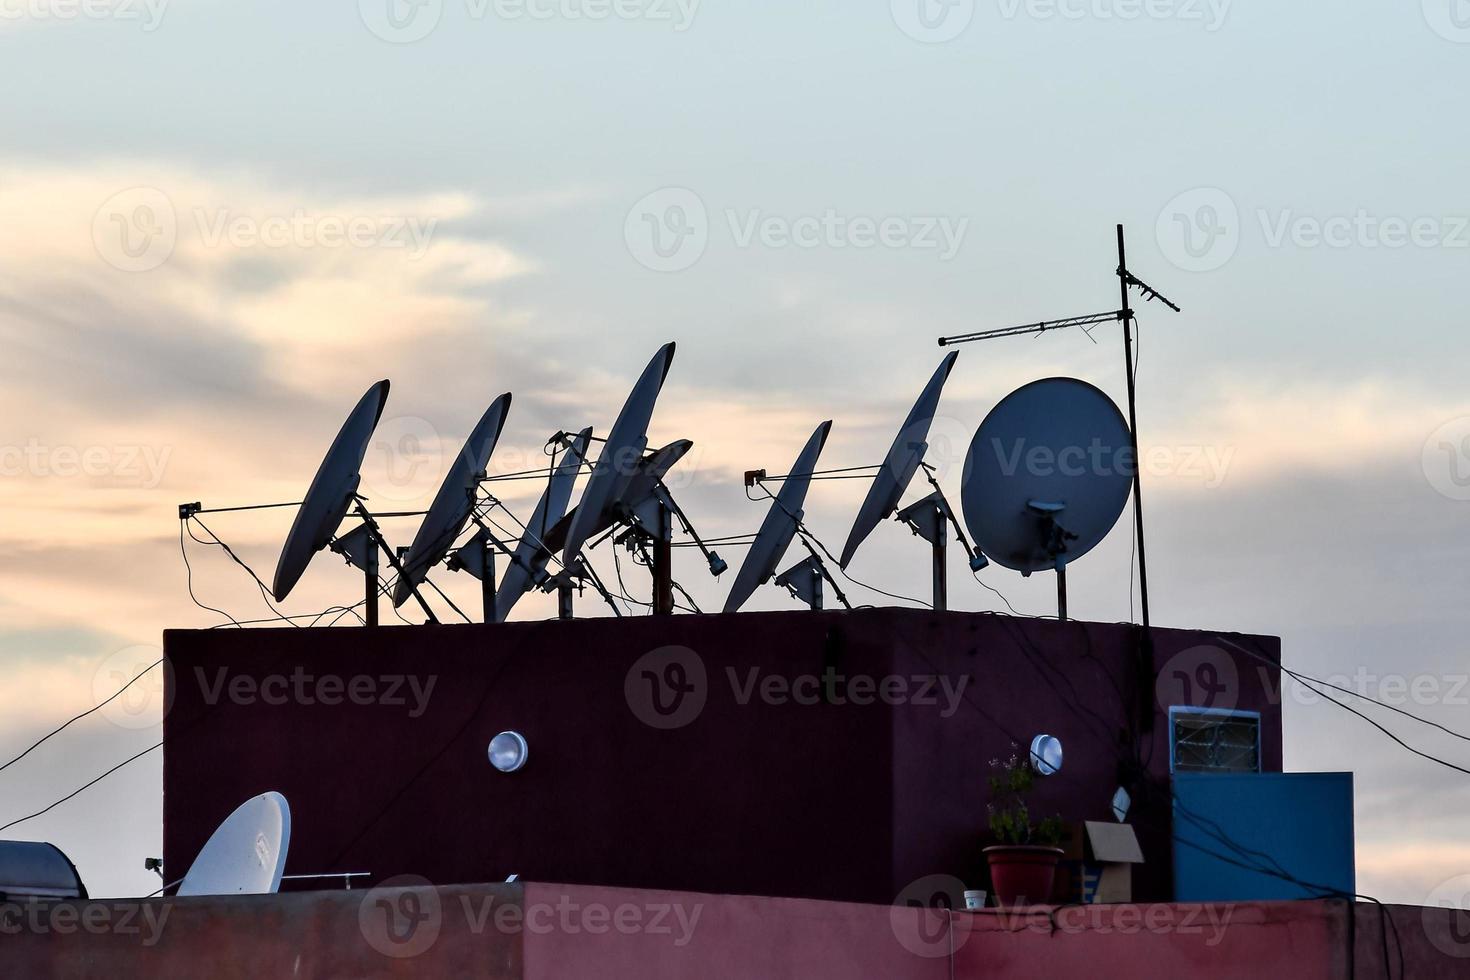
x=974, y=573
x=232, y=621
x=77, y=792
x=95, y=708
x=189, y=579
x=1303, y=680
x=1248, y=863
x=264, y=590
x=808, y=535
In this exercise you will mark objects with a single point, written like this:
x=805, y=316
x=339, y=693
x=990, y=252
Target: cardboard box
x=1097, y=863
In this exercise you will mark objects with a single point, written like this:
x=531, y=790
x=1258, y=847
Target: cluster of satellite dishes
x=1033, y=499
x=1047, y=476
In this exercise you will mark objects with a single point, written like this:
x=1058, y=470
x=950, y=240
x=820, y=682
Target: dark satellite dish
x=618, y=461
x=331, y=492
x=1048, y=473
x=779, y=527
x=903, y=459
x=531, y=553
x=636, y=492
x=31, y=871
x=454, y=502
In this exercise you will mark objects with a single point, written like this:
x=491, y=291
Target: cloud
x=221, y=372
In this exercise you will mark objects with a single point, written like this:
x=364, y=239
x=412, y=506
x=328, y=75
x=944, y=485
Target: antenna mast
x=1124, y=315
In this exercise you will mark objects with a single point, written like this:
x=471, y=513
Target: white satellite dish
x=779, y=527
x=331, y=492
x=531, y=554
x=454, y=501
x=617, y=463
x=903, y=459
x=246, y=854
x=1047, y=476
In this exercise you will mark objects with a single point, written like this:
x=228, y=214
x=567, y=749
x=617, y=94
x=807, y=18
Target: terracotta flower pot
x=1022, y=873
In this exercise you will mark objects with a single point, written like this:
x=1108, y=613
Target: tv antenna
x=930, y=518
x=1124, y=315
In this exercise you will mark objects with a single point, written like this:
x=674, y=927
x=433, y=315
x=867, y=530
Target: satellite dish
x=1048, y=473
x=779, y=527
x=531, y=554
x=636, y=491
x=617, y=463
x=247, y=853
x=331, y=492
x=902, y=461
x=454, y=501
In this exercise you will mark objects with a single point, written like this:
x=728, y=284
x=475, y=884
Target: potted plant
x=1023, y=862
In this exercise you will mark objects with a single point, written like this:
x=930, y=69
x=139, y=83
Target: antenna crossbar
x=1038, y=328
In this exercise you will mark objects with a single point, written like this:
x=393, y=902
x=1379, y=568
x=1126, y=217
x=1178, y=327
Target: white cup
x=975, y=900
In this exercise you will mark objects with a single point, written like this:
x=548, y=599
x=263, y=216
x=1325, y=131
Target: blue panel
x=1228, y=827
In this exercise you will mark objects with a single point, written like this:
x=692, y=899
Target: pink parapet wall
x=741, y=938
x=738, y=938
x=556, y=932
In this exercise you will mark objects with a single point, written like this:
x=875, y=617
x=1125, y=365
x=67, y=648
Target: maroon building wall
x=820, y=755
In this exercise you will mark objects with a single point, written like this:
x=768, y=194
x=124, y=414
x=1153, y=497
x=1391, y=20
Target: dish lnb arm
x=977, y=559
x=717, y=565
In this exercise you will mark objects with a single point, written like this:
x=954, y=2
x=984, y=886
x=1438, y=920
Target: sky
x=223, y=221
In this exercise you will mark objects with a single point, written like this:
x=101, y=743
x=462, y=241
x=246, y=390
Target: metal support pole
x=487, y=579
x=941, y=570
x=564, y=600
x=663, y=565
x=1061, y=592
x=1146, y=647
x=376, y=538
x=1133, y=428
x=370, y=576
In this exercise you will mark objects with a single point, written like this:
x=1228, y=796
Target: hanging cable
x=806, y=533
x=95, y=708
x=77, y=792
